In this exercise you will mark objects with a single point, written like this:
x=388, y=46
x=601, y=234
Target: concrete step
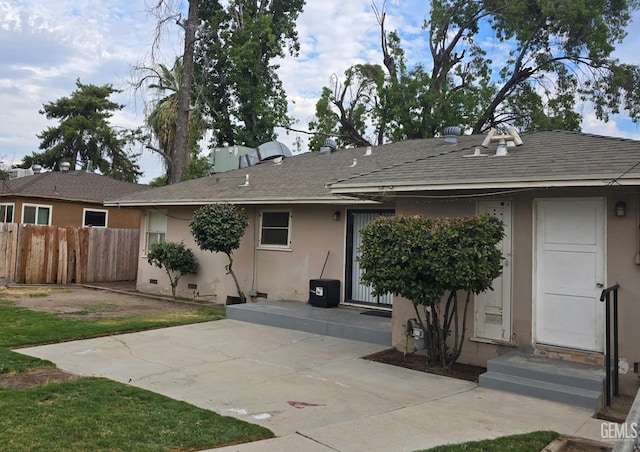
x=542, y=390
x=342, y=322
x=562, y=381
x=566, y=373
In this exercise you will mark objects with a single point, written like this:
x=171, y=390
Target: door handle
x=599, y=285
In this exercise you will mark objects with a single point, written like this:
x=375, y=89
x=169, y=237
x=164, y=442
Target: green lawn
x=95, y=414
x=98, y=414
x=20, y=327
x=528, y=442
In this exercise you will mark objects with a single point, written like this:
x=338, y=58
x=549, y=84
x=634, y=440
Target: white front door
x=570, y=273
x=493, y=307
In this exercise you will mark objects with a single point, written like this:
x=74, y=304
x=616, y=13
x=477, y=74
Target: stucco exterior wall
x=281, y=274
x=285, y=275
x=622, y=236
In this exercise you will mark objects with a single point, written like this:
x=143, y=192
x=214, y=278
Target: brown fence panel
x=51, y=255
x=63, y=255
x=8, y=247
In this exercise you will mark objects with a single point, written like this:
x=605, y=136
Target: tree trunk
x=181, y=154
x=235, y=279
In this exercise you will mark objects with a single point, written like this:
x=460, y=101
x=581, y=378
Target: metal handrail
x=606, y=297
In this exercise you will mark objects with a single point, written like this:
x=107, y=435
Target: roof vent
x=501, y=151
x=328, y=146
x=451, y=134
x=505, y=140
x=36, y=169
x=476, y=153
x=64, y=166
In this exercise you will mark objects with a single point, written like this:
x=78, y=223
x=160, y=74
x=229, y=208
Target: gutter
x=336, y=200
x=377, y=187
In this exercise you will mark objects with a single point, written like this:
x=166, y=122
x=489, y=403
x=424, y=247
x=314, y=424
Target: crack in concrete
x=316, y=441
x=169, y=368
x=123, y=343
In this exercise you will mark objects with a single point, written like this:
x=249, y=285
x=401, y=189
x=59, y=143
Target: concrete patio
x=313, y=391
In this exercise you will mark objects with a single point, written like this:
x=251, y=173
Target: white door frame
x=357, y=292
x=501, y=329
x=600, y=273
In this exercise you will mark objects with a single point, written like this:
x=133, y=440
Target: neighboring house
x=67, y=198
x=569, y=202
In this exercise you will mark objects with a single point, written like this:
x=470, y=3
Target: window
x=36, y=214
x=95, y=218
x=156, y=227
x=6, y=213
x=275, y=229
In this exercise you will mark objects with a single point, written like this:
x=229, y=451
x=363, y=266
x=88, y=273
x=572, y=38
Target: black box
x=324, y=293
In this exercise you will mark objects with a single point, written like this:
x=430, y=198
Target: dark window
x=6, y=213
x=33, y=214
x=275, y=229
x=97, y=218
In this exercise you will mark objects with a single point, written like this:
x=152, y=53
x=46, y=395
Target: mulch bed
x=419, y=362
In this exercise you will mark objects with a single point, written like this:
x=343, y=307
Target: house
x=570, y=206
x=298, y=230
x=569, y=202
x=67, y=198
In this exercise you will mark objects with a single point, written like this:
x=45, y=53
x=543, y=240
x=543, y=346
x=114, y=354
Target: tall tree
x=558, y=53
x=163, y=121
x=84, y=135
x=181, y=152
x=176, y=152
x=231, y=75
x=235, y=71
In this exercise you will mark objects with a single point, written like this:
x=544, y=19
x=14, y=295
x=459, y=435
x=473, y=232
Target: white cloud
x=617, y=126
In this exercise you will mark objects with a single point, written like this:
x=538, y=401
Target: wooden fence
x=31, y=254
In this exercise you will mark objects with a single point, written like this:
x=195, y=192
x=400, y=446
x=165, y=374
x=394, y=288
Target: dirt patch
x=79, y=302
x=419, y=362
x=572, y=444
x=34, y=377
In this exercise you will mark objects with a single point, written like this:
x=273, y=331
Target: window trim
x=13, y=211
x=37, y=206
x=84, y=217
x=267, y=246
x=147, y=216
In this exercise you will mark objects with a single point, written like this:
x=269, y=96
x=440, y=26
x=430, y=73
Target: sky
x=45, y=46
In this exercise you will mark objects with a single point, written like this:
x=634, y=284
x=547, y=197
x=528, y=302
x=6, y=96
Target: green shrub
x=175, y=258
x=423, y=259
x=219, y=228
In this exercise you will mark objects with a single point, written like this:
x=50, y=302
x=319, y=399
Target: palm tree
x=163, y=118
x=164, y=115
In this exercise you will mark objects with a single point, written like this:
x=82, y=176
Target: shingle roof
x=545, y=158
x=78, y=186
x=299, y=179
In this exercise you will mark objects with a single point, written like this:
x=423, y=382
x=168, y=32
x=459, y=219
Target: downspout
x=637, y=258
x=255, y=253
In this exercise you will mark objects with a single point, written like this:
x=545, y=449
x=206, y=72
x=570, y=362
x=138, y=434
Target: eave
x=415, y=186
x=333, y=200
